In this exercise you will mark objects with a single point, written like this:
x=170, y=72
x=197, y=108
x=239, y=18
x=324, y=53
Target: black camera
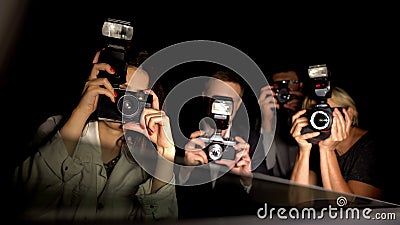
x=320, y=119
x=127, y=108
x=218, y=147
x=117, y=36
x=129, y=105
x=282, y=91
x=320, y=116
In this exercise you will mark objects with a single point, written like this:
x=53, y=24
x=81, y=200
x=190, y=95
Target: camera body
x=282, y=91
x=320, y=116
x=218, y=147
x=127, y=108
x=320, y=119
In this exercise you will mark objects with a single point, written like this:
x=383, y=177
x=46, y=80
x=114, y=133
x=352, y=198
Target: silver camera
x=217, y=146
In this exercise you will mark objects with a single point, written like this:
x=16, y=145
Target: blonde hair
x=339, y=97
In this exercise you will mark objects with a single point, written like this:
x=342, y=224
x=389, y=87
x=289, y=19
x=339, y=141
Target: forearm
x=267, y=124
x=301, y=170
x=164, y=168
x=72, y=130
x=332, y=177
x=324, y=166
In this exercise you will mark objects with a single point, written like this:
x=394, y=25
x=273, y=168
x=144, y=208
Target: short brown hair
x=228, y=76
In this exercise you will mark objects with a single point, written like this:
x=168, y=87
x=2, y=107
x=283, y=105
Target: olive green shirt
x=77, y=188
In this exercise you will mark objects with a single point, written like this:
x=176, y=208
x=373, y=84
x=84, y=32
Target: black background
x=52, y=56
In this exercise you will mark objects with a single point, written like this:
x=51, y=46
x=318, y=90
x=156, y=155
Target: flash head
x=117, y=35
x=222, y=107
x=320, y=80
x=316, y=71
x=118, y=29
x=221, y=111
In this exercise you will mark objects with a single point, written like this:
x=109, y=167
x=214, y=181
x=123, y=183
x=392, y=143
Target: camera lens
x=215, y=151
x=128, y=105
x=283, y=95
x=320, y=120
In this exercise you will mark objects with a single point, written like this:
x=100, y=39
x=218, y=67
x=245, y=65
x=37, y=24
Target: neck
x=110, y=139
x=354, y=135
x=226, y=132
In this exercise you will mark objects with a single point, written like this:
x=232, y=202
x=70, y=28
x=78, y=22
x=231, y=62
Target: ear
x=350, y=111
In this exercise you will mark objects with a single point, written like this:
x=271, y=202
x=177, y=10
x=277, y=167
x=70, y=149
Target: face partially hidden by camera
x=137, y=79
x=284, y=83
x=289, y=75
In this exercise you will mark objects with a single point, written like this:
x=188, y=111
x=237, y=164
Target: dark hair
x=139, y=58
x=281, y=67
x=157, y=87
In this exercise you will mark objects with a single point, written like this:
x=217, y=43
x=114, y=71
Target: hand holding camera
x=196, y=153
x=212, y=141
x=95, y=87
x=241, y=165
x=289, y=98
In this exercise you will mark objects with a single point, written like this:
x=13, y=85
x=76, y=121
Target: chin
x=114, y=125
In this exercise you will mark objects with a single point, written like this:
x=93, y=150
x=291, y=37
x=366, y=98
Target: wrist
x=167, y=152
x=304, y=152
x=81, y=113
x=266, y=127
x=164, y=170
x=326, y=148
x=246, y=183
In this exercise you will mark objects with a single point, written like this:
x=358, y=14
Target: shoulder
x=366, y=147
x=47, y=128
x=369, y=138
x=50, y=123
